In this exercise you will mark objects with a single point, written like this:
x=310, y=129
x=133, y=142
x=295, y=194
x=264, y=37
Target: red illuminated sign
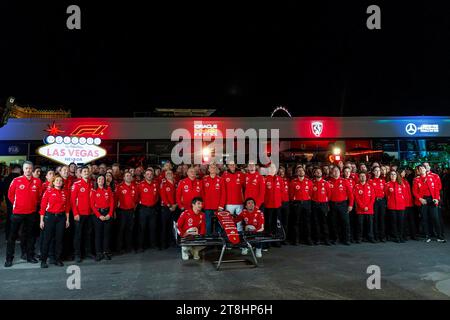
x=90, y=129
x=53, y=129
x=317, y=128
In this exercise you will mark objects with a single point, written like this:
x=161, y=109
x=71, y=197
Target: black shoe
x=91, y=256
x=294, y=244
x=333, y=242
x=140, y=251
x=23, y=256
x=316, y=243
x=346, y=243
x=284, y=243
x=44, y=265
x=383, y=240
x=52, y=261
x=59, y=263
x=107, y=256
x=327, y=243
x=358, y=241
x=78, y=259
x=32, y=260
x=99, y=257
x=8, y=263
x=402, y=240
x=396, y=240
x=372, y=241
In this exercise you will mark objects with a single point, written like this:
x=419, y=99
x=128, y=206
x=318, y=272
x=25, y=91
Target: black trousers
x=300, y=221
x=126, y=223
x=410, y=221
x=430, y=219
x=339, y=221
x=54, y=225
x=148, y=220
x=9, y=213
x=166, y=227
x=397, y=218
x=83, y=235
x=271, y=216
x=319, y=221
x=285, y=217
x=69, y=235
x=379, y=219
x=17, y=220
x=365, y=220
x=102, y=235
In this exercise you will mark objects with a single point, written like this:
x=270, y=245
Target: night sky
x=315, y=57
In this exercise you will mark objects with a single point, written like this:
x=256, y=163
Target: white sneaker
x=184, y=254
x=244, y=251
x=196, y=255
x=258, y=253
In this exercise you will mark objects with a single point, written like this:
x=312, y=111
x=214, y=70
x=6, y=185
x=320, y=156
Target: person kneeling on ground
x=192, y=223
x=253, y=220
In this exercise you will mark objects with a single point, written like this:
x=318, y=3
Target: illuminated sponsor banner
x=412, y=128
x=205, y=129
x=66, y=150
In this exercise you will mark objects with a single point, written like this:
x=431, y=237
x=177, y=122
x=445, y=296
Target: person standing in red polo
x=341, y=203
x=300, y=192
x=254, y=184
x=54, y=213
x=148, y=199
x=169, y=207
x=364, y=194
x=24, y=193
x=272, y=201
x=214, y=197
x=188, y=189
x=379, y=210
x=81, y=208
x=126, y=200
x=320, y=197
x=396, y=204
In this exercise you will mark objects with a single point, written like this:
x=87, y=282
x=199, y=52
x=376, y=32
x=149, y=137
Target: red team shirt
x=187, y=190
x=189, y=219
x=126, y=196
x=251, y=218
x=300, y=190
x=148, y=193
x=255, y=187
x=395, y=195
x=213, y=192
x=340, y=190
x=25, y=194
x=168, y=192
x=274, y=192
x=321, y=191
x=102, y=198
x=80, y=198
x=55, y=201
x=364, y=197
x=379, y=185
x=234, y=186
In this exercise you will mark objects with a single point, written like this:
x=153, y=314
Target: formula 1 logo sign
x=317, y=128
x=89, y=129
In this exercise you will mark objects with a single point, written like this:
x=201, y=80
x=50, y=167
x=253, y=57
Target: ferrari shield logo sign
x=317, y=128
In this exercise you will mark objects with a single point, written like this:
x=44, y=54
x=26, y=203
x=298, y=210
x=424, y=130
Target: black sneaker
x=32, y=260
x=44, y=265
x=23, y=256
x=52, y=261
x=59, y=263
x=346, y=243
x=8, y=263
x=107, y=256
x=309, y=243
x=327, y=243
x=78, y=259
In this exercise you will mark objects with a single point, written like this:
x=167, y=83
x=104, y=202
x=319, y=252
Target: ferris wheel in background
x=281, y=109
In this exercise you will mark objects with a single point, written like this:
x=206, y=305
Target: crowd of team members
x=118, y=210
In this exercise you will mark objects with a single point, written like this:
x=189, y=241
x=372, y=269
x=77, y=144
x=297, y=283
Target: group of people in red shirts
x=137, y=208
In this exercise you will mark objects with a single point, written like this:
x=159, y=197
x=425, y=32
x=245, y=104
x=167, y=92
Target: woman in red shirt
x=410, y=218
x=102, y=204
x=396, y=204
x=54, y=212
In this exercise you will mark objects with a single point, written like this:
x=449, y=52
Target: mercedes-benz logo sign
x=411, y=129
